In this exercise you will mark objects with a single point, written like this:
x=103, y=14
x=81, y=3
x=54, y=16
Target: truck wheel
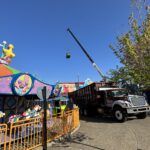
x=120, y=114
x=142, y=115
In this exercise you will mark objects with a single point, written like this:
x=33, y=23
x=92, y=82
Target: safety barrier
x=3, y=136
x=27, y=134
x=76, y=120
x=61, y=124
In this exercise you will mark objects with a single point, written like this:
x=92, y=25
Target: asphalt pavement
x=106, y=134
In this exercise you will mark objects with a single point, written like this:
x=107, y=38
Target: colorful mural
x=70, y=87
x=57, y=90
x=23, y=84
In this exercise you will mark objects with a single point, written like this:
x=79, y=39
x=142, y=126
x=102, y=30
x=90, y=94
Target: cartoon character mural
x=23, y=84
x=7, y=53
x=57, y=90
x=69, y=87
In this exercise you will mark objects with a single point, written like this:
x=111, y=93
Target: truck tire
x=120, y=114
x=142, y=115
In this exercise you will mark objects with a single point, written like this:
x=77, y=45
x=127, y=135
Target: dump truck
x=107, y=99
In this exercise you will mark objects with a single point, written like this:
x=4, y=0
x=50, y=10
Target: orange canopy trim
x=7, y=70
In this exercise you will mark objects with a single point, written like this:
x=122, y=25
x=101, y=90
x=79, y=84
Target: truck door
x=109, y=98
x=101, y=96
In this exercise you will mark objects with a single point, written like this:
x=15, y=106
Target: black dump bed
x=89, y=94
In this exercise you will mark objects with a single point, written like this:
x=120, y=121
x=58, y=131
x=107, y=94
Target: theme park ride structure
x=17, y=89
x=20, y=129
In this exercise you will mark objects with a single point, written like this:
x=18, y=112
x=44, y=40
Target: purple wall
x=39, y=84
x=5, y=85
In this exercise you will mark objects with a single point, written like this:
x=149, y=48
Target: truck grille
x=138, y=101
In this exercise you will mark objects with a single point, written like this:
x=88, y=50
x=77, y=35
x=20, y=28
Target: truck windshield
x=117, y=93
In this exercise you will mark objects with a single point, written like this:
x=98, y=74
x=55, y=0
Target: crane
x=88, y=56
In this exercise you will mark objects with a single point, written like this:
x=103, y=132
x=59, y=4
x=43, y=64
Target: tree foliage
x=133, y=51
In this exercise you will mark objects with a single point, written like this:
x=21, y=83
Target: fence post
x=10, y=134
x=6, y=128
x=74, y=121
x=44, y=119
x=78, y=117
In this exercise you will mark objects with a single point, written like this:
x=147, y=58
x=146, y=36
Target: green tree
x=133, y=50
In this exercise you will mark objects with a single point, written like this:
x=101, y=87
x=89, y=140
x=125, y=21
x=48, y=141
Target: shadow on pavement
x=105, y=119
x=78, y=138
x=94, y=147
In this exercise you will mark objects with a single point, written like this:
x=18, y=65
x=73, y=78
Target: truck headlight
x=128, y=105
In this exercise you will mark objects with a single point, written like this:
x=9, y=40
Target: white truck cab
x=123, y=105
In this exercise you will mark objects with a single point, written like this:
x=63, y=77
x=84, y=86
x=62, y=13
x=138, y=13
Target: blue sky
x=37, y=28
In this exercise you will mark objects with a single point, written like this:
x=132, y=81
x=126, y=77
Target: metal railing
x=27, y=134
x=3, y=136
x=60, y=125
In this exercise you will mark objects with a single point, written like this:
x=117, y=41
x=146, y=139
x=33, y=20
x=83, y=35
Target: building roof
x=6, y=70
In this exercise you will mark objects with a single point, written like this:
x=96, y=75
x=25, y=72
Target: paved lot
x=105, y=133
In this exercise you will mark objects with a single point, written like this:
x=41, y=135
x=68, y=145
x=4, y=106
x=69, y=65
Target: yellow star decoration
x=9, y=52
